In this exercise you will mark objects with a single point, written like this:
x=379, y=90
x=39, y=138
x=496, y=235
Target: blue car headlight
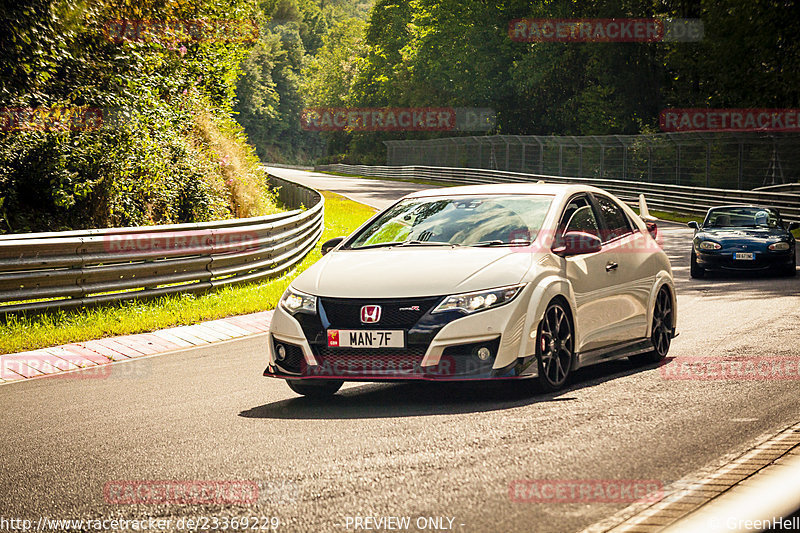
x=781, y=246
x=709, y=245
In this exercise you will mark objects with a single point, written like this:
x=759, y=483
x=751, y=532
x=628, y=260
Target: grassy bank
x=18, y=334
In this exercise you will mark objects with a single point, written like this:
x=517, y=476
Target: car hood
x=743, y=234
x=410, y=272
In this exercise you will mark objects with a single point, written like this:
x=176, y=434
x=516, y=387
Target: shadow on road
x=391, y=400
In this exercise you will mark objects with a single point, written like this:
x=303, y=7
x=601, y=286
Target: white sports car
x=478, y=282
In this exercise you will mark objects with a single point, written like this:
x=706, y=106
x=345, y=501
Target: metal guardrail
x=664, y=197
x=58, y=270
x=725, y=160
x=292, y=167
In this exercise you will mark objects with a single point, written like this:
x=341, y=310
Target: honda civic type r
x=478, y=282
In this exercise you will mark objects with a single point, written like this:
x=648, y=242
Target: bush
x=168, y=150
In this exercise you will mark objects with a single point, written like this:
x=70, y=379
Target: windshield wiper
x=427, y=243
x=377, y=245
x=404, y=243
x=502, y=243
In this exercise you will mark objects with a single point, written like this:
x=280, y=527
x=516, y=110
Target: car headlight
x=471, y=302
x=779, y=246
x=295, y=301
x=709, y=245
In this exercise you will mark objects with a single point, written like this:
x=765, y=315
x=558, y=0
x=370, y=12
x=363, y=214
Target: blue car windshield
x=742, y=217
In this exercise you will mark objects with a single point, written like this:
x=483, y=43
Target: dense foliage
x=458, y=53
x=167, y=151
x=273, y=91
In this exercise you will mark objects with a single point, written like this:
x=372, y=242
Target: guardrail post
x=741, y=166
x=602, y=160
x=624, y=162
x=708, y=162
x=678, y=165
x=80, y=283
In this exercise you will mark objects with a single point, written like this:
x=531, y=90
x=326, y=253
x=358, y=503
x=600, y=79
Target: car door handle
x=611, y=265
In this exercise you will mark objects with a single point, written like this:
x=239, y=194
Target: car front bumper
x=439, y=348
x=723, y=260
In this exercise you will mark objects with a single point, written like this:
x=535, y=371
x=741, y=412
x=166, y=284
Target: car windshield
x=488, y=220
x=742, y=217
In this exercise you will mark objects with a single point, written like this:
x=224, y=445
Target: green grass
x=21, y=333
x=674, y=217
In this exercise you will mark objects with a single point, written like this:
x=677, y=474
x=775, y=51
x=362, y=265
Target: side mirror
x=652, y=229
x=794, y=225
x=329, y=245
x=577, y=243
x=693, y=225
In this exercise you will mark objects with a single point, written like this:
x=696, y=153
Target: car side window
x=579, y=216
x=617, y=223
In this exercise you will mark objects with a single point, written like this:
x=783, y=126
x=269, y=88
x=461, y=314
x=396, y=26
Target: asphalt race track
x=442, y=455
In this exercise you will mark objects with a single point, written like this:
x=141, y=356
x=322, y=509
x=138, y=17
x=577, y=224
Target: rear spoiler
x=649, y=220
x=644, y=212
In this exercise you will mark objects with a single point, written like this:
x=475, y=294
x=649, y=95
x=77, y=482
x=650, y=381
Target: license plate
x=746, y=256
x=362, y=338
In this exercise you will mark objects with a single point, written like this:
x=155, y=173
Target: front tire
x=790, y=270
x=315, y=389
x=555, y=347
x=696, y=270
x=662, y=329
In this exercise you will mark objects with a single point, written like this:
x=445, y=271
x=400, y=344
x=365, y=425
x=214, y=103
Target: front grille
x=759, y=262
x=371, y=365
x=344, y=314
x=294, y=357
x=324, y=352
x=368, y=362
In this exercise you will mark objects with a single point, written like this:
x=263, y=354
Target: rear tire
x=661, y=331
x=555, y=345
x=696, y=270
x=315, y=389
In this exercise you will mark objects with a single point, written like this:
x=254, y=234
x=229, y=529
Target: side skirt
x=615, y=351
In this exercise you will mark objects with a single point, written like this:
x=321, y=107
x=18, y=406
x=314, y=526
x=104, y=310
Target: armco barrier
x=660, y=196
x=40, y=271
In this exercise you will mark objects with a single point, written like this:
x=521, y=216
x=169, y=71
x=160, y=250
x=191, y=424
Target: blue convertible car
x=743, y=238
